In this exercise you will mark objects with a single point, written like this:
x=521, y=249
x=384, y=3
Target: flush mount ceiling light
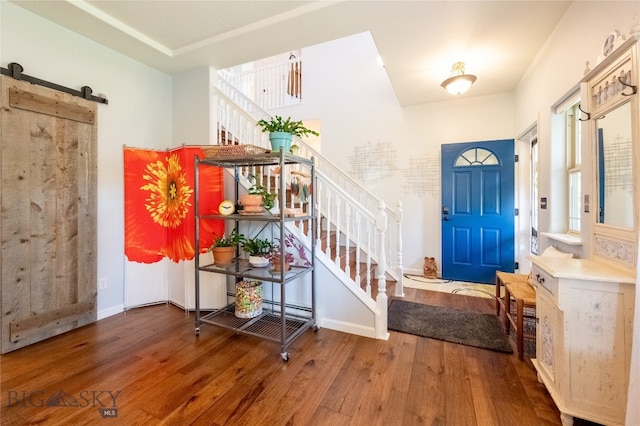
x=459, y=82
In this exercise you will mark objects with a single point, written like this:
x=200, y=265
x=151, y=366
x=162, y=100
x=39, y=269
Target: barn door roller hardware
x=14, y=70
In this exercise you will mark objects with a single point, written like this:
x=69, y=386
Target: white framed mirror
x=614, y=160
x=610, y=112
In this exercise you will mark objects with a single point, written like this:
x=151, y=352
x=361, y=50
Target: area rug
x=451, y=325
x=449, y=286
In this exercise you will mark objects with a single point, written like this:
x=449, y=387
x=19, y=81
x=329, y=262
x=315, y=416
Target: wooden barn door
x=48, y=181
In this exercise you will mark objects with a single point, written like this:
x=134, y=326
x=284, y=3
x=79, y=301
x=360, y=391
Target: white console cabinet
x=585, y=313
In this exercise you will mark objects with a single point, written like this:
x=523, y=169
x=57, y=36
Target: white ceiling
x=418, y=40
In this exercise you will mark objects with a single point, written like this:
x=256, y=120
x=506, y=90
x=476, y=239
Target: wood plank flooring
x=147, y=367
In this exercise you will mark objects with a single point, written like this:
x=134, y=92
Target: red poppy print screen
x=159, y=216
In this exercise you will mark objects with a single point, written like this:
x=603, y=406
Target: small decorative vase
x=223, y=256
x=248, y=299
x=280, y=139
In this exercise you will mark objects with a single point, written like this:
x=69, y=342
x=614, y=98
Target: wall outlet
x=102, y=284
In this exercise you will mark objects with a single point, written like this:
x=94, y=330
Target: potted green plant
x=281, y=131
x=268, y=198
x=224, y=247
x=258, y=249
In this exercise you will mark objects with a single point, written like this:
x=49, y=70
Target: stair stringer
x=342, y=304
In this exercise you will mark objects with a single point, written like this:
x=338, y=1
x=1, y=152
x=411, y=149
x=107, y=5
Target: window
x=572, y=139
x=535, y=189
x=566, y=156
x=476, y=157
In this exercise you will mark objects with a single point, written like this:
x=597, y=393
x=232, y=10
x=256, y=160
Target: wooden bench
x=501, y=279
x=518, y=290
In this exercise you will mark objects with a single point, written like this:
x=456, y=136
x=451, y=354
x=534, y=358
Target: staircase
x=358, y=237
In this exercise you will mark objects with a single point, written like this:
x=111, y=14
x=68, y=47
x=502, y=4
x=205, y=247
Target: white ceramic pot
x=258, y=261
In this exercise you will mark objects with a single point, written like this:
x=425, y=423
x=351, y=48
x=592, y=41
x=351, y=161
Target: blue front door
x=477, y=210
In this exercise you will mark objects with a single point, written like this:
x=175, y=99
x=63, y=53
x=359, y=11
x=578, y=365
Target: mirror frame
x=599, y=96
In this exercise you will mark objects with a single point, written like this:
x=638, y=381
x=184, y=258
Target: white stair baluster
x=328, y=222
x=358, y=248
x=347, y=239
x=369, y=232
x=400, y=269
x=318, y=189
x=338, y=204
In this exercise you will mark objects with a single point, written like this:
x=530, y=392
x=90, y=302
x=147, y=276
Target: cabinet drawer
x=543, y=280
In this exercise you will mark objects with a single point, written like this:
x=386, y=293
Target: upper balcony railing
x=272, y=86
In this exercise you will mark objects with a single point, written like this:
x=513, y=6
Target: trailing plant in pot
x=224, y=247
x=258, y=249
x=294, y=253
x=276, y=260
x=281, y=131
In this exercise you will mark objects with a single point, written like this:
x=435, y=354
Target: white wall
x=353, y=97
x=138, y=114
x=191, y=108
x=578, y=38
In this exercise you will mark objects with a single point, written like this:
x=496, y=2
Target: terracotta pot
x=223, y=256
x=276, y=264
x=251, y=203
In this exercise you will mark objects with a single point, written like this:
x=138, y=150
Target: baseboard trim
x=347, y=328
x=113, y=310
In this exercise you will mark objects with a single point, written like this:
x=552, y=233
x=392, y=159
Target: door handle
x=445, y=213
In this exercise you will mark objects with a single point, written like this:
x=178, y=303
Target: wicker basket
x=232, y=151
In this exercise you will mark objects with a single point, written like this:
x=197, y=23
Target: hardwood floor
x=150, y=367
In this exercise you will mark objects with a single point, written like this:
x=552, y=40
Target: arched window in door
x=476, y=157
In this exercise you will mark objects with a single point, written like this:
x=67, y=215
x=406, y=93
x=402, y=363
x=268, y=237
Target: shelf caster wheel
x=285, y=356
x=315, y=328
x=197, y=331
